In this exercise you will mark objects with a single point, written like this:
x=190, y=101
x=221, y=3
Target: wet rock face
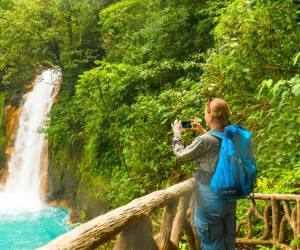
x=3, y=174
x=62, y=181
x=84, y=193
x=44, y=170
x=90, y=197
x=11, y=117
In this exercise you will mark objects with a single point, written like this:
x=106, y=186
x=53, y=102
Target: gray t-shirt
x=204, y=150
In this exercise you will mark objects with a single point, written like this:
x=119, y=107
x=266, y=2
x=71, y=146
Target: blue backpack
x=235, y=173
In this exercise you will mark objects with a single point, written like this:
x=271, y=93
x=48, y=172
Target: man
x=214, y=216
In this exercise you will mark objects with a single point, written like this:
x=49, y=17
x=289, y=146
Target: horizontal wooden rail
x=281, y=197
x=101, y=229
x=262, y=242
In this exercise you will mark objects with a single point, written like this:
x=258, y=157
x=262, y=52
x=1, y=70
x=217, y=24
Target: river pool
x=24, y=231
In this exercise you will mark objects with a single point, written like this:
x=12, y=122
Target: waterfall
x=22, y=189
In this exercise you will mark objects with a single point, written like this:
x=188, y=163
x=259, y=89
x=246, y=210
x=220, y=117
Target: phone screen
x=186, y=124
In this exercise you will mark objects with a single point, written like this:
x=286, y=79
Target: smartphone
x=186, y=124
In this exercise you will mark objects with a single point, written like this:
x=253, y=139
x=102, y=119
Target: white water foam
x=21, y=193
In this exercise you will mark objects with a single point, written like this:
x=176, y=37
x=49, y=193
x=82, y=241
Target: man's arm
x=189, y=153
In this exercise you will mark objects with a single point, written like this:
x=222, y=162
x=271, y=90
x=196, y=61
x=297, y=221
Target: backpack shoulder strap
x=216, y=134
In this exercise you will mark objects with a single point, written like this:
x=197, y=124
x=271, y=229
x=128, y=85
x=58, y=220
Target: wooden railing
x=167, y=214
x=279, y=215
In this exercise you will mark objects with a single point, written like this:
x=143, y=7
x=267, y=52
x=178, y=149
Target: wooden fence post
x=163, y=238
x=180, y=219
x=137, y=236
x=192, y=236
x=275, y=218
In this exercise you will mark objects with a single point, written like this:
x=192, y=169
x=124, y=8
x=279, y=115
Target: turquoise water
x=30, y=230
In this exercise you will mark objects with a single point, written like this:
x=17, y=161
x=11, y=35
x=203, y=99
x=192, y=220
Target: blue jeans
x=214, y=220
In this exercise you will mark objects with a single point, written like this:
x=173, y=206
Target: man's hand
x=177, y=126
x=196, y=126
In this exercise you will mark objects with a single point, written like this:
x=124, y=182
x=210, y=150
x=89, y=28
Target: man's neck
x=216, y=126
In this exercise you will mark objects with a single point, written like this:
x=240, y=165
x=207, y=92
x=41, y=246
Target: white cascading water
x=22, y=189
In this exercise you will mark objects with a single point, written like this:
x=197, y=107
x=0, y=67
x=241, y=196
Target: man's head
x=217, y=112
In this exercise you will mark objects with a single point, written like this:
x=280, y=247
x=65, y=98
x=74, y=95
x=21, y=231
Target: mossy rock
x=91, y=196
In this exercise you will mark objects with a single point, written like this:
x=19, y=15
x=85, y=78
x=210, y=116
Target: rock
x=82, y=192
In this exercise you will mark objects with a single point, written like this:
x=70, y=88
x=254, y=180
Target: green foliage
x=182, y=246
x=261, y=247
x=257, y=46
x=138, y=31
x=149, y=77
x=296, y=242
x=125, y=188
x=119, y=100
x=160, y=64
x=83, y=216
x=276, y=150
x=37, y=34
x=255, y=40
